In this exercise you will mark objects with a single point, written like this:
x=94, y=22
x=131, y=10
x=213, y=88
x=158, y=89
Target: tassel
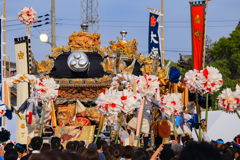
x=30, y=118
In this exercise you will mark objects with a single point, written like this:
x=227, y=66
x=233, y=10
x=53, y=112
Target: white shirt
x=35, y=151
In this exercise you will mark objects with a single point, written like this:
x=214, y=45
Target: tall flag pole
x=1, y=68
x=4, y=46
x=205, y=29
x=198, y=12
x=154, y=44
x=162, y=38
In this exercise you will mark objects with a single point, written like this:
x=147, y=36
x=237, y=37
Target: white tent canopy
x=221, y=125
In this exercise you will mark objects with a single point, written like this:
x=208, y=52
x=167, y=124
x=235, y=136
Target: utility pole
x=53, y=44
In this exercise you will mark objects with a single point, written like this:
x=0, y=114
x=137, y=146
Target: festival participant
x=8, y=146
x=90, y=154
x=117, y=153
x=56, y=145
x=81, y=144
x=36, y=144
x=20, y=150
x=34, y=111
x=108, y=149
x=177, y=149
x=139, y=155
x=205, y=136
x=132, y=124
x=199, y=151
x=11, y=154
x=71, y=147
x=167, y=154
x=94, y=146
x=128, y=152
x=100, y=148
x=107, y=155
x=100, y=145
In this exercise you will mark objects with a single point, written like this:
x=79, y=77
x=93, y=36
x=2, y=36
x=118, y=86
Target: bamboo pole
x=237, y=114
x=119, y=126
x=174, y=129
x=162, y=37
x=28, y=31
x=43, y=115
x=206, y=114
x=199, y=119
x=100, y=128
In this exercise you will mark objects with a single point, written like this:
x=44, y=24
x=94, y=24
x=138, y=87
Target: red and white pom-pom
x=228, y=101
x=209, y=80
x=47, y=89
x=171, y=104
x=129, y=101
x=2, y=109
x=148, y=85
x=27, y=15
x=110, y=103
x=190, y=80
x=238, y=88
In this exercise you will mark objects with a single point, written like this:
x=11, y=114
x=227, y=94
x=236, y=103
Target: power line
x=147, y=26
x=30, y=27
x=148, y=21
x=18, y=19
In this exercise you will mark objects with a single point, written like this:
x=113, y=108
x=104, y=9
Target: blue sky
x=223, y=17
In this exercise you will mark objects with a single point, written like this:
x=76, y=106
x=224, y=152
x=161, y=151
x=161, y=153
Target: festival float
x=84, y=89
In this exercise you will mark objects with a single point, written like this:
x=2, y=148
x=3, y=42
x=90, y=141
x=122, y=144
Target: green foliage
x=225, y=56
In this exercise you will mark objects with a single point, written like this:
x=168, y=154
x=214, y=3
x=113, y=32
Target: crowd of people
x=77, y=150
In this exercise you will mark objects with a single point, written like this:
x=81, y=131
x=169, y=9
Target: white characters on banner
x=152, y=38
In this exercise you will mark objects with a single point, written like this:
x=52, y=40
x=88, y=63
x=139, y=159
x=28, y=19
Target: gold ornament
x=197, y=19
x=20, y=55
x=22, y=125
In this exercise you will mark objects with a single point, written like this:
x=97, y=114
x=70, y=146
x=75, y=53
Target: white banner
x=21, y=49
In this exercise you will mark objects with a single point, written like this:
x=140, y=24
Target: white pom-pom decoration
x=171, y=104
x=47, y=89
x=209, y=80
x=27, y=15
x=190, y=80
x=228, y=101
x=148, y=85
x=129, y=101
x=109, y=103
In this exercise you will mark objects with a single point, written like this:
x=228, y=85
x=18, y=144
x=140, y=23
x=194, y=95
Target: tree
x=228, y=49
x=225, y=56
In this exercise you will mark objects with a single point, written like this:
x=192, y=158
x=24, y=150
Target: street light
x=43, y=37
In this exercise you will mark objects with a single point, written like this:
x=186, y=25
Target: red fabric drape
x=197, y=29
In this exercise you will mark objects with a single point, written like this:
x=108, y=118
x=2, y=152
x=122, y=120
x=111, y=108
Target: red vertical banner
x=197, y=19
